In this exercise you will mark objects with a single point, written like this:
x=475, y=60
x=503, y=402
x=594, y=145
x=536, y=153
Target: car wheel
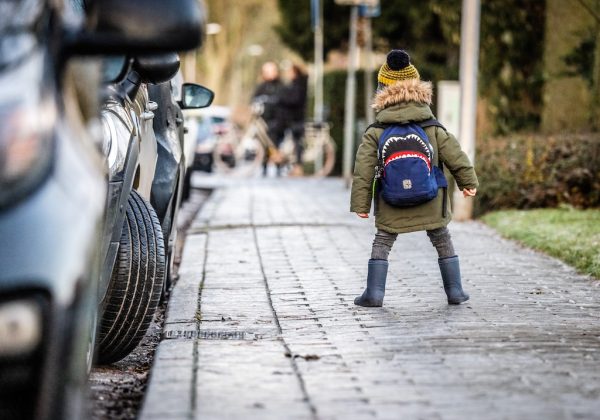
x=136, y=283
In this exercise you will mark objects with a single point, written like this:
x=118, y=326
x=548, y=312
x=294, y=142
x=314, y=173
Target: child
x=401, y=99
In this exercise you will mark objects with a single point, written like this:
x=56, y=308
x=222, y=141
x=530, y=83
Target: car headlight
x=20, y=327
x=25, y=148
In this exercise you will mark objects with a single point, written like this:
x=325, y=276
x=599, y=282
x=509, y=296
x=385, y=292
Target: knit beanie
x=397, y=67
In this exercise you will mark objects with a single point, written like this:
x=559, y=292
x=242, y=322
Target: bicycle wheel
x=327, y=150
x=249, y=154
x=224, y=158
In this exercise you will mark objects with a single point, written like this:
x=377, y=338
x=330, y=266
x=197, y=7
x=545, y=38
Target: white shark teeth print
x=398, y=139
x=408, y=155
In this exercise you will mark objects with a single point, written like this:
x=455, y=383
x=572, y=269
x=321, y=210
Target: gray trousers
x=440, y=239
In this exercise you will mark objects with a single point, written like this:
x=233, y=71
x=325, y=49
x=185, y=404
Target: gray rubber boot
x=373, y=294
x=450, y=269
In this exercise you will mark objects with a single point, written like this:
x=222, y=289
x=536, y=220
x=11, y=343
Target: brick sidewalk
x=261, y=323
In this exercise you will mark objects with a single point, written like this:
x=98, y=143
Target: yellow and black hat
x=397, y=67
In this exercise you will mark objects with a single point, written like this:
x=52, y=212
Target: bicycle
x=244, y=154
x=319, y=148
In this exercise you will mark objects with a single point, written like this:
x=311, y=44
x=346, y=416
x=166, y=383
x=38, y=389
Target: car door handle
x=179, y=121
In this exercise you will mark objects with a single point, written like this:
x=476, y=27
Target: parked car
x=188, y=146
x=170, y=176
x=143, y=127
x=52, y=186
x=205, y=128
x=133, y=255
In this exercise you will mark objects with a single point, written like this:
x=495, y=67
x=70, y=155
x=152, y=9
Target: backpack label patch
x=407, y=184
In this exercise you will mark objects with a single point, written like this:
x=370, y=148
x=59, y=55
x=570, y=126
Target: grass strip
x=570, y=235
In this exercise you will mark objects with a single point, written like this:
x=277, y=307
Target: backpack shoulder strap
x=378, y=124
x=431, y=122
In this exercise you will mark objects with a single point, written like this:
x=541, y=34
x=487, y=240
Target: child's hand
x=363, y=215
x=469, y=192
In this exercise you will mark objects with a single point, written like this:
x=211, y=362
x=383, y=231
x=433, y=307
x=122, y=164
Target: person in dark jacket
x=293, y=99
x=269, y=93
x=402, y=97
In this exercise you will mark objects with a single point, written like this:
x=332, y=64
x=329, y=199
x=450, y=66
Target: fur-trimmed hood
x=411, y=90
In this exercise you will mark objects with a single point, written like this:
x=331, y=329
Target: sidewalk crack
x=288, y=351
x=198, y=321
x=207, y=229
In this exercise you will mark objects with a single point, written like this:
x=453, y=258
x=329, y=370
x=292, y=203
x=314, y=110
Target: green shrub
x=530, y=171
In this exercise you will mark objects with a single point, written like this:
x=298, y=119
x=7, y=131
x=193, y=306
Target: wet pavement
x=261, y=323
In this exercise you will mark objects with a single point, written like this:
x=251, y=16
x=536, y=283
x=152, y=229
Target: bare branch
x=591, y=11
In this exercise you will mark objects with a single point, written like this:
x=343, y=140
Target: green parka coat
x=404, y=102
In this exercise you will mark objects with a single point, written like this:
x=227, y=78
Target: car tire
x=136, y=283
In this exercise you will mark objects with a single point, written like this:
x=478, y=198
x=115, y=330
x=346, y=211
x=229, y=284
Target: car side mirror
x=195, y=96
x=138, y=27
x=157, y=69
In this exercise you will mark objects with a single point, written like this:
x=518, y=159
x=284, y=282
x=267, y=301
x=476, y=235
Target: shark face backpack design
x=405, y=175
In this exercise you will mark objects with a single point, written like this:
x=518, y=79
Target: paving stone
x=268, y=280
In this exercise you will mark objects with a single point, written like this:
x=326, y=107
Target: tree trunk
x=595, y=114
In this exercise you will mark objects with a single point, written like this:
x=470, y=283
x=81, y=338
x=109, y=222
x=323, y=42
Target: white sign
x=448, y=107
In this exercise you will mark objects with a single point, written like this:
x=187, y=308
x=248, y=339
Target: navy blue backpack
x=405, y=175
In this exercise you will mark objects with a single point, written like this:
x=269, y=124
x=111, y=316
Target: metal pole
x=349, y=114
x=318, y=112
x=369, y=113
x=469, y=57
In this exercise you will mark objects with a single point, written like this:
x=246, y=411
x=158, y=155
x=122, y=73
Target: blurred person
x=399, y=166
x=269, y=93
x=293, y=100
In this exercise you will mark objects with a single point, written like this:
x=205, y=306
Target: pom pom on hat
x=398, y=59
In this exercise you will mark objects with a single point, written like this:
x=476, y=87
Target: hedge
x=531, y=171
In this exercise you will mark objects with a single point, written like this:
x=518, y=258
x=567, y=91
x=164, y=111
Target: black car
x=170, y=176
x=53, y=186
